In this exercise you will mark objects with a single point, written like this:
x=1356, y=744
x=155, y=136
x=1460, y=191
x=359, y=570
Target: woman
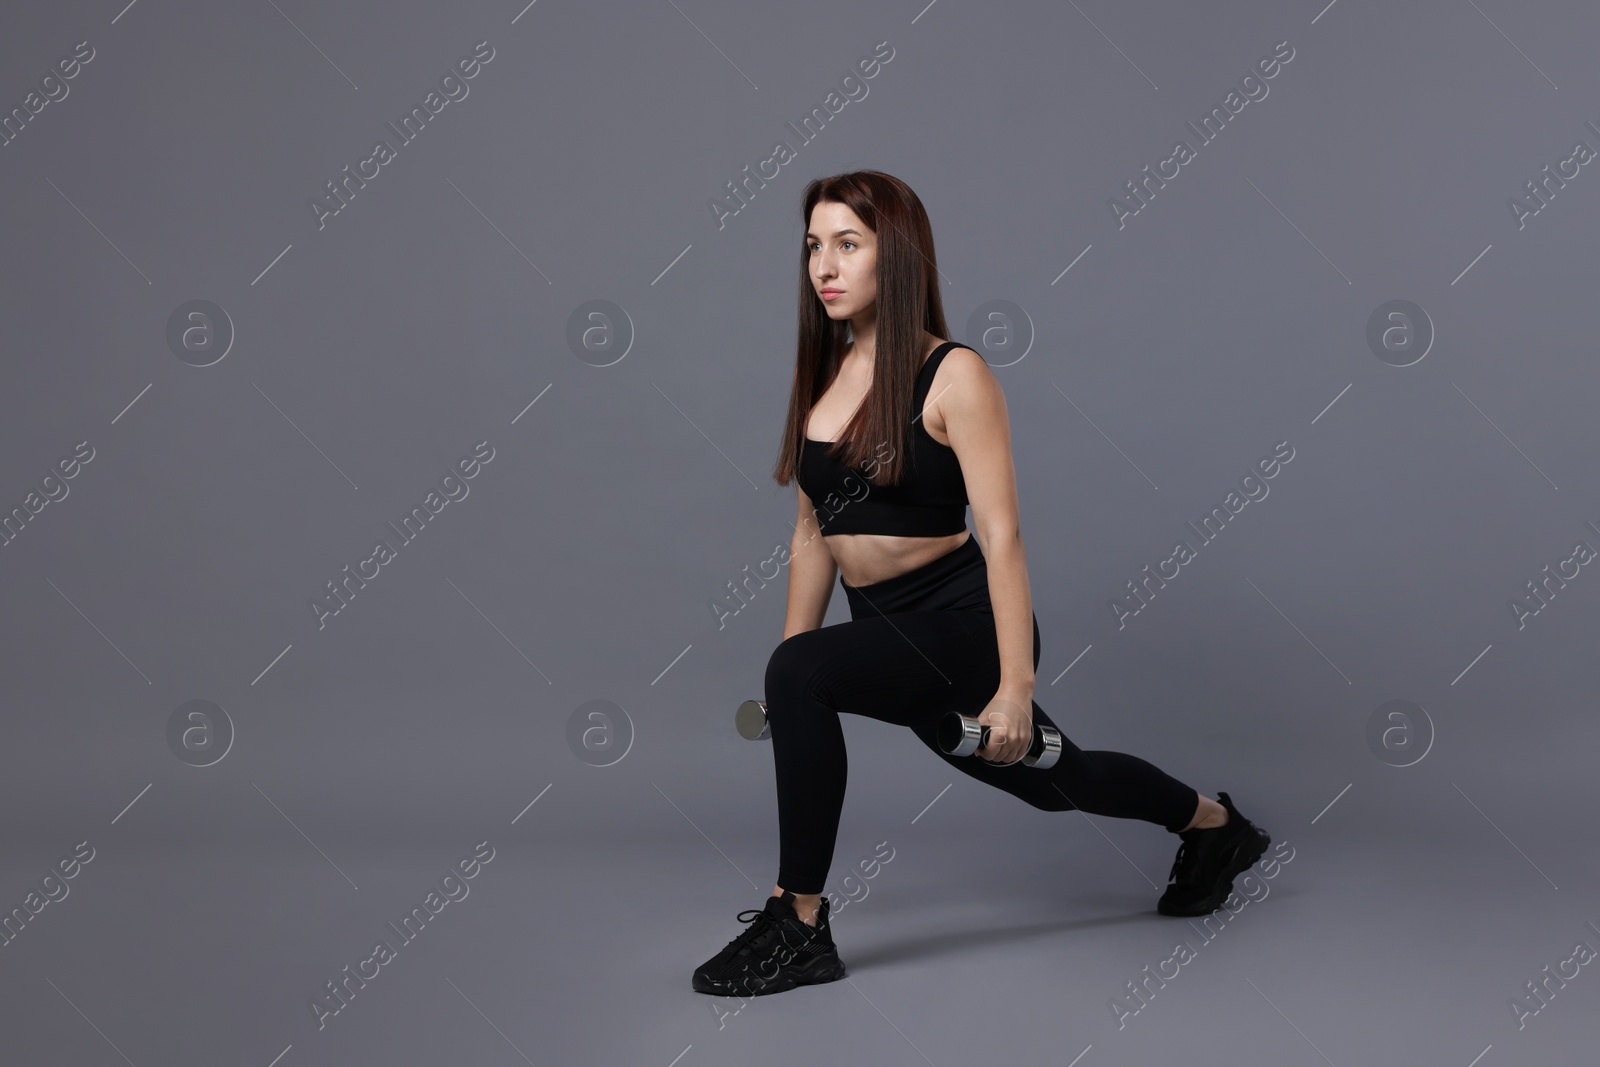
x=890, y=429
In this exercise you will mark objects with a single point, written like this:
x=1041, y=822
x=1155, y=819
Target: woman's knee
x=793, y=668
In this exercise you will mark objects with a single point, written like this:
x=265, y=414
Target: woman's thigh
x=906, y=668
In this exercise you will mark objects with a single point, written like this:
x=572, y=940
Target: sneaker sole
x=817, y=972
x=1252, y=844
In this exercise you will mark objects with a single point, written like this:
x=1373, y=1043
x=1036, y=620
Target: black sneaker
x=777, y=951
x=1209, y=860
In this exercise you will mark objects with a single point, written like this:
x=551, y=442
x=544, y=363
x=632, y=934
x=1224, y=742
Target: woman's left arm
x=974, y=412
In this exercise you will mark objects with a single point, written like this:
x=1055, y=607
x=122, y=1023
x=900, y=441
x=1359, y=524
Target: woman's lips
x=829, y=294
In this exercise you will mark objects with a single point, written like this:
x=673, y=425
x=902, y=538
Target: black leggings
x=918, y=645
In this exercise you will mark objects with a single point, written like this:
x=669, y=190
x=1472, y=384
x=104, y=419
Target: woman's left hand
x=1010, y=729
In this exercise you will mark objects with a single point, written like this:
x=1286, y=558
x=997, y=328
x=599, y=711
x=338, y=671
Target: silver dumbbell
x=959, y=735
x=962, y=735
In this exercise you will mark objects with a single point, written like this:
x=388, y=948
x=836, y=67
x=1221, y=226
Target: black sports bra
x=930, y=501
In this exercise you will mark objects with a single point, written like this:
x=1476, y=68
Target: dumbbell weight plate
x=751, y=719
x=961, y=735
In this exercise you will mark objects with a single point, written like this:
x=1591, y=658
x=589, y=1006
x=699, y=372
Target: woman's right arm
x=811, y=573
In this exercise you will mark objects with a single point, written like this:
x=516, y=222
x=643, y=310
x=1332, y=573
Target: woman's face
x=844, y=260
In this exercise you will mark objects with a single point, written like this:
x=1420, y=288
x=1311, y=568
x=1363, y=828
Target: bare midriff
x=867, y=558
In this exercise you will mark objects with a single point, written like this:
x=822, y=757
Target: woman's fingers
x=998, y=749
x=1003, y=750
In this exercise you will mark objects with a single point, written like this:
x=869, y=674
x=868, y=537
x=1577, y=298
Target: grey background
x=428, y=715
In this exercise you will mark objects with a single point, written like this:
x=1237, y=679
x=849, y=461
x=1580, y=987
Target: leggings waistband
x=957, y=580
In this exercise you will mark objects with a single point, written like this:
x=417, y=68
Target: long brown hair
x=908, y=303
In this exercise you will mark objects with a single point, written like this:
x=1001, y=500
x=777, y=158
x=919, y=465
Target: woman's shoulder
x=962, y=382
x=961, y=363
